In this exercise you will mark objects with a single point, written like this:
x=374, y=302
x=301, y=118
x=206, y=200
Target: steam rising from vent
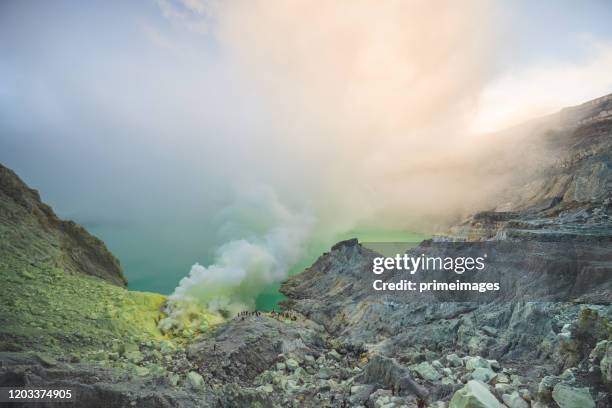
x=242, y=268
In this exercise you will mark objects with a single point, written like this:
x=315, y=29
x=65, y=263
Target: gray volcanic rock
x=474, y=395
x=97, y=387
x=387, y=373
x=246, y=346
x=550, y=237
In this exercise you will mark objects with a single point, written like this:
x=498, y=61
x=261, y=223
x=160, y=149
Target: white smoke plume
x=242, y=268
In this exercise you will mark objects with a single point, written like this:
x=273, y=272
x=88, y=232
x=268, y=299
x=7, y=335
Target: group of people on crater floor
x=286, y=315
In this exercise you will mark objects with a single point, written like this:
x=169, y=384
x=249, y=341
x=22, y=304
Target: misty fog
x=225, y=141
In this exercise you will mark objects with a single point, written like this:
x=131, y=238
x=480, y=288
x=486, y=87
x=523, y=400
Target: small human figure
x=421, y=403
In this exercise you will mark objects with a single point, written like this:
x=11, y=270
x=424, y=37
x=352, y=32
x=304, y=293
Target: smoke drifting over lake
x=238, y=133
x=356, y=110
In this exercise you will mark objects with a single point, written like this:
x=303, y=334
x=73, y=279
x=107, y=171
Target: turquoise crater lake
x=155, y=261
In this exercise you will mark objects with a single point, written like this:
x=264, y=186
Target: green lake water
x=156, y=262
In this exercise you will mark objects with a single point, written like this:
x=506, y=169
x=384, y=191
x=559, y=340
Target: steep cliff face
x=570, y=195
x=551, y=233
x=30, y=230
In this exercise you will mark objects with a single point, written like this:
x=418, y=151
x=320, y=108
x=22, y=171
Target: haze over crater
x=196, y=128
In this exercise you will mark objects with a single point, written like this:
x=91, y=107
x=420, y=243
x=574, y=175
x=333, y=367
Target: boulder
x=494, y=365
x=289, y=385
x=447, y=381
x=568, y=376
x=472, y=363
x=474, y=395
x=514, y=400
x=334, y=355
x=572, y=397
x=606, y=365
x=195, y=380
x=502, y=378
x=427, y=372
x=325, y=373
x=454, y=360
x=360, y=394
x=546, y=386
x=599, y=352
x=173, y=379
x=387, y=373
x=490, y=331
x=380, y=398
x=525, y=394
x=437, y=365
x=503, y=388
x=483, y=374
x=299, y=372
x=291, y=364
